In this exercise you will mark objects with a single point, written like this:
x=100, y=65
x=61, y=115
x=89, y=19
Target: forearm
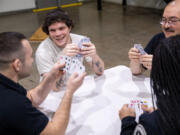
x=59, y=83
x=97, y=65
x=128, y=125
x=39, y=93
x=136, y=68
x=60, y=120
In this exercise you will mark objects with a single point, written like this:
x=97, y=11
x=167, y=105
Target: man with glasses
x=170, y=24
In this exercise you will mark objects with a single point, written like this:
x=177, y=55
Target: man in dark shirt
x=165, y=82
x=18, y=113
x=170, y=26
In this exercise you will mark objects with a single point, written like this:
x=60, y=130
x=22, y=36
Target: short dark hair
x=57, y=15
x=168, y=1
x=11, y=47
x=165, y=83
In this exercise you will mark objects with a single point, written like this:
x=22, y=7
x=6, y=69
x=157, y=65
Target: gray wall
x=15, y=5
x=159, y=4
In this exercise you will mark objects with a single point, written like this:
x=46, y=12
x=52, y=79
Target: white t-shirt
x=47, y=53
x=46, y=56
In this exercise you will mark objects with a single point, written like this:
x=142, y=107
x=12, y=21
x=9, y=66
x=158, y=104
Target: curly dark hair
x=57, y=15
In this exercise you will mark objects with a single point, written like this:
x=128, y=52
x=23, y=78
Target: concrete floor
x=113, y=30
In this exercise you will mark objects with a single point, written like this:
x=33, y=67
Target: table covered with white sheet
x=96, y=104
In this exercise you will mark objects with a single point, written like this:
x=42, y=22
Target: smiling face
x=59, y=33
x=171, y=12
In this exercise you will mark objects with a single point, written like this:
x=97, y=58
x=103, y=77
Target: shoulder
x=149, y=116
x=20, y=105
x=44, y=45
x=76, y=35
x=44, y=49
x=11, y=101
x=159, y=36
x=151, y=122
x=154, y=42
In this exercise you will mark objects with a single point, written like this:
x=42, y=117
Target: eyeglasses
x=170, y=21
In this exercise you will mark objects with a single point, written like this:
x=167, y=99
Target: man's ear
x=17, y=65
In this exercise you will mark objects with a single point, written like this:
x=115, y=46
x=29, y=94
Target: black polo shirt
x=17, y=115
x=153, y=44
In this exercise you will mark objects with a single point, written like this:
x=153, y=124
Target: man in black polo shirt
x=170, y=26
x=18, y=113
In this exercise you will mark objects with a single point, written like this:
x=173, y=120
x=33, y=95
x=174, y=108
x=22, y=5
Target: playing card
x=72, y=64
x=79, y=67
x=136, y=105
x=83, y=40
x=80, y=44
x=140, y=48
x=67, y=61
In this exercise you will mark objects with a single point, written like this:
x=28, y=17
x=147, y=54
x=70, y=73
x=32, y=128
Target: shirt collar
x=8, y=83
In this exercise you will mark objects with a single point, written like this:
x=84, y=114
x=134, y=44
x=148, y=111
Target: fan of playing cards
x=136, y=105
x=72, y=65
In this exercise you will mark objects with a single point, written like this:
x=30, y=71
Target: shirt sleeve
x=128, y=125
x=150, y=45
x=153, y=43
x=151, y=123
x=44, y=62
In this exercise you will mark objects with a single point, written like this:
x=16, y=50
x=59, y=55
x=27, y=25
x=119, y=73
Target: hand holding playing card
x=134, y=55
x=137, y=106
x=89, y=49
x=74, y=82
x=126, y=111
x=147, y=109
x=71, y=50
x=146, y=60
x=72, y=65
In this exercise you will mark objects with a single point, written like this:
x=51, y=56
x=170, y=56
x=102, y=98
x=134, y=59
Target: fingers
x=125, y=106
x=77, y=77
x=58, y=66
x=88, y=50
x=71, y=50
x=146, y=60
x=146, y=109
x=126, y=111
x=81, y=77
x=75, y=82
x=133, y=54
x=72, y=47
x=88, y=44
x=74, y=75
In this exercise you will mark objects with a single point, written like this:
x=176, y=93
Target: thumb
x=81, y=77
x=59, y=65
x=74, y=75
